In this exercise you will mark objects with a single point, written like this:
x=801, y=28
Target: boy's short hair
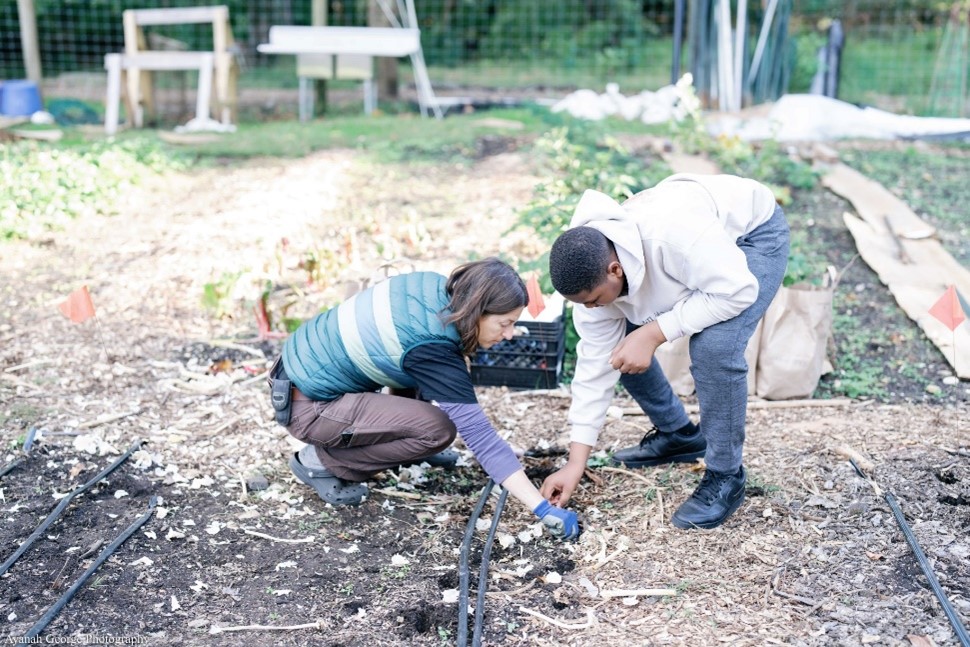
x=578, y=260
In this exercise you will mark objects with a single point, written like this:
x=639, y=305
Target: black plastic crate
x=532, y=361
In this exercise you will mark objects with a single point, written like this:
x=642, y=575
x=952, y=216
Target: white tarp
x=671, y=102
x=794, y=117
x=810, y=117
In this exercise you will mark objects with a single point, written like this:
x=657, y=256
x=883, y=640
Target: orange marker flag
x=949, y=309
x=536, y=302
x=78, y=307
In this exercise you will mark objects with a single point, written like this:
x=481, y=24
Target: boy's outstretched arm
x=560, y=485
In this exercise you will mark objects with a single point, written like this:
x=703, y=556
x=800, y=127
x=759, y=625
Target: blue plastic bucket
x=19, y=99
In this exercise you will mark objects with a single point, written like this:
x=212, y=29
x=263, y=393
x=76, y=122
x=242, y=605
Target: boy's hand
x=561, y=524
x=559, y=486
x=635, y=352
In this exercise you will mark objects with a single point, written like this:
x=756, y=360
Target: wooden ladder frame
x=140, y=91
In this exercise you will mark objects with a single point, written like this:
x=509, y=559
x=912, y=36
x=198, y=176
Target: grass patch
x=387, y=138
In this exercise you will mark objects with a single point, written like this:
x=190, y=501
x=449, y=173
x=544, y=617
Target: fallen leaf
x=142, y=459
x=919, y=641
x=202, y=482
x=821, y=502
x=223, y=366
x=589, y=586
x=449, y=596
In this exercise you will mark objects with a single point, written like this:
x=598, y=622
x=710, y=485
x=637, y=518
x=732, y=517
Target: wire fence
x=907, y=56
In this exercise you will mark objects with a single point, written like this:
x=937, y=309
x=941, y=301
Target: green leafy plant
x=43, y=187
x=444, y=634
x=217, y=294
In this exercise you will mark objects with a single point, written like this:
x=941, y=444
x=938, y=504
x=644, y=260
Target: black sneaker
x=658, y=448
x=717, y=496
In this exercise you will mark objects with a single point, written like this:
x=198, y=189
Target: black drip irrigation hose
x=463, y=572
x=924, y=564
x=28, y=445
x=951, y=614
x=483, y=571
x=66, y=501
x=49, y=615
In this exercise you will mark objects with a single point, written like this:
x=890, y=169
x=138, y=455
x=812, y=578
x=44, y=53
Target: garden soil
x=239, y=552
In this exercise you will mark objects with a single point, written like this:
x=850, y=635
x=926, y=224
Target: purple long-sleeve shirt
x=440, y=372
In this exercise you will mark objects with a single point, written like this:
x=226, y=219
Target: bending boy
x=695, y=255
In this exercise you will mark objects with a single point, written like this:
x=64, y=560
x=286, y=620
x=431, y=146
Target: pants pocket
x=315, y=424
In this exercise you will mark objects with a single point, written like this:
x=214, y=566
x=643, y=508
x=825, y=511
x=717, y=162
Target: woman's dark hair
x=578, y=260
x=485, y=287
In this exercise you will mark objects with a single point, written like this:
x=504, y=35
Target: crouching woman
x=410, y=333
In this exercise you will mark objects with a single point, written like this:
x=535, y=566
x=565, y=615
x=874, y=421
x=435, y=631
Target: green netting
x=902, y=55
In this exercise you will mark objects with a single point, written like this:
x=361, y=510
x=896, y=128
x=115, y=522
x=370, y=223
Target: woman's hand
x=561, y=524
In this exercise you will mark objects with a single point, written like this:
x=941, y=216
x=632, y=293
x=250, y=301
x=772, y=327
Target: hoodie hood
x=606, y=215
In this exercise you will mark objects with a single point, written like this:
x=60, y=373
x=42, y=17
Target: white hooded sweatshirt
x=677, y=243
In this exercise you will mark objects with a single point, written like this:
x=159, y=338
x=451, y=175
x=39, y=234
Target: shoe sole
x=301, y=473
x=683, y=525
x=679, y=458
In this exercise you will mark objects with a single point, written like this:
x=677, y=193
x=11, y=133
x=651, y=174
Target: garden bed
x=813, y=557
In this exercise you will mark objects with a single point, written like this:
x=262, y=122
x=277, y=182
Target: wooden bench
x=355, y=67
x=394, y=42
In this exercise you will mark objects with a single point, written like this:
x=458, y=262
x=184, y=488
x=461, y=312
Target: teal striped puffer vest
x=360, y=345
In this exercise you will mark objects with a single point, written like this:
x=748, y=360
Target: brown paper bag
x=795, y=337
x=674, y=358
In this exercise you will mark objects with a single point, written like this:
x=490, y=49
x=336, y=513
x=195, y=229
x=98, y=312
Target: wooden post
x=318, y=18
x=139, y=83
x=225, y=76
x=28, y=41
x=387, y=77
